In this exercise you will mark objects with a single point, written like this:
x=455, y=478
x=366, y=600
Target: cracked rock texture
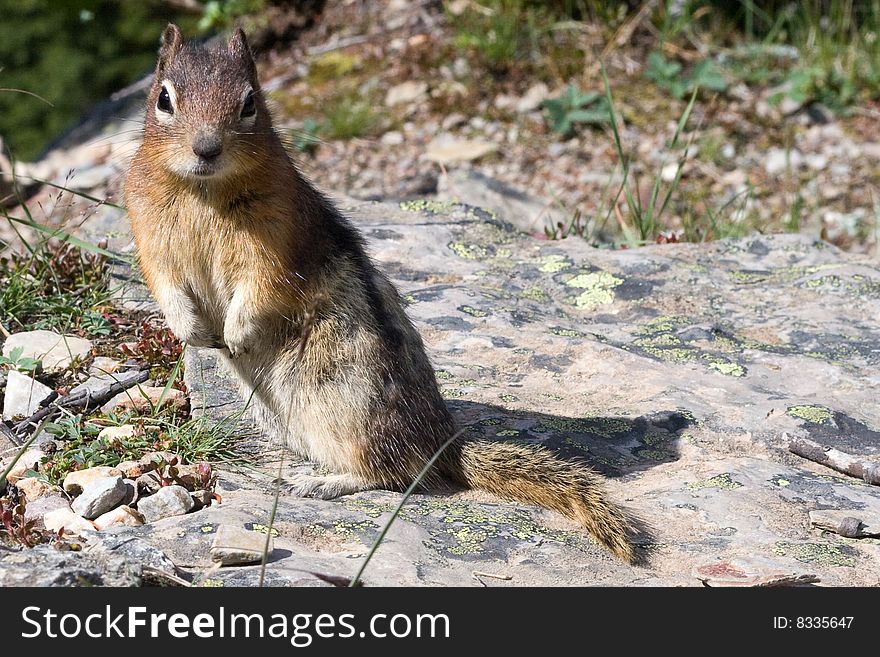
x=679, y=371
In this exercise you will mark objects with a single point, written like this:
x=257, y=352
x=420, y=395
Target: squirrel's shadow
x=614, y=446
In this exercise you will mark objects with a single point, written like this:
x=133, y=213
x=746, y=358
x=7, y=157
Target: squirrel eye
x=249, y=107
x=164, y=102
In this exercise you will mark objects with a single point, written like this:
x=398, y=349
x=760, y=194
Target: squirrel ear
x=172, y=42
x=238, y=44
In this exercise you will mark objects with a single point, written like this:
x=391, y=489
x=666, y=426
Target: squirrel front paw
x=239, y=335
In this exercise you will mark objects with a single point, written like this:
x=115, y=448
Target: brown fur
x=254, y=261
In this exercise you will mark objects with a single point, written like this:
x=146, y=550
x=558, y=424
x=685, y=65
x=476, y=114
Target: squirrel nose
x=207, y=146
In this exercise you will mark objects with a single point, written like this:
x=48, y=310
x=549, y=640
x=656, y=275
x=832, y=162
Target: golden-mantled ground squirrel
x=245, y=255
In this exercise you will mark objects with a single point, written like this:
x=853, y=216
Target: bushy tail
x=533, y=475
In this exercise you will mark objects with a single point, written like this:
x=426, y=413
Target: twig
x=85, y=400
x=480, y=573
x=832, y=458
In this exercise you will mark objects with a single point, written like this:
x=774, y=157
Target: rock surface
x=168, y=501
x=23, y=395
x=100, y=496
x=679, y=371
x=76, y=481
x=56, y=351
x=234, y=546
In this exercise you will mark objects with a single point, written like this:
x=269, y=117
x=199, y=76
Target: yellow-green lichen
x=722, y=482
x=814, y=414
x=428, y=205
x=662, y=324
x=468, y=251
x=351, y=528
x=473, y=312
x=507, y=397
x=552, y=264
x=826, y=554
x=535, y=294
x=451, y=393
x=598, y=289
x=466, y=527
x=212, y=583
x=567, y=333
x=443, y=375
x=261, y=529
x=730, y=369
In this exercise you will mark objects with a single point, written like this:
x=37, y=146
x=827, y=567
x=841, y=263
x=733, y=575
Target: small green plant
x=669, y=76
x=194, y=440
x=348, y=117
x=645, y=217
x=306, y=140
x=221, y=14
x=574, y=106
x=15, y=361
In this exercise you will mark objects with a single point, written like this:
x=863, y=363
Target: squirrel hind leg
x=327, y=487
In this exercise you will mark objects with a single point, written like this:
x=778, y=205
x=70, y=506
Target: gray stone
x=166, y=502
x=527, y=213
x=23, y=395
x=39, y=507
x=56, y=351
x=235, y=546
x=99, y=496
x=45, y=565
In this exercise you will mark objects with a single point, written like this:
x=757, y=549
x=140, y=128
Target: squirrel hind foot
x=327, y=487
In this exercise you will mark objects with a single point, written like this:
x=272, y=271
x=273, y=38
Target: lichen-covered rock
x=45, y=565
x=676, y=370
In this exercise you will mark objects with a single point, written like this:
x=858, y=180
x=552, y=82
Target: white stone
x=453, y=121
x=168, y=501
x=99, y=496
x=70, y=521
x=533, y=98
x=56, y=351
x=104, y=365
x=121, y=515
x=27, y=461
x=23, y=395
x=118, y=433
x=779, y=160
x=75, y=482
x=145, y=399
x=406, y=92
x=392, y=138
x=33, y=487
x=464, y=150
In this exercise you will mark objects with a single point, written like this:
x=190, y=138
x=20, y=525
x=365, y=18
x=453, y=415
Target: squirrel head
x=205, y=116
